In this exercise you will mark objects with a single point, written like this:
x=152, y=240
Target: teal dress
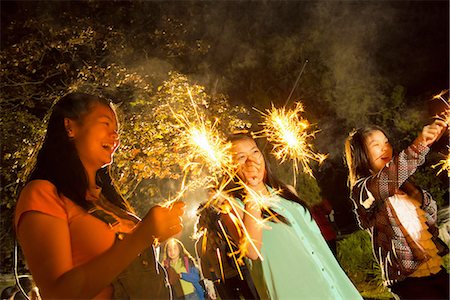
x=297, y=263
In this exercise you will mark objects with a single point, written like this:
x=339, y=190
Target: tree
x=49, y=61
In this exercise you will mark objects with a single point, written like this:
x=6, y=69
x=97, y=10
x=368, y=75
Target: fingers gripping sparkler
x=445, y=116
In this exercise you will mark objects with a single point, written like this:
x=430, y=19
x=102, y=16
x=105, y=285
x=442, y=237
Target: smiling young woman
x=78, y=234
x=288, y=257
x=400, y=216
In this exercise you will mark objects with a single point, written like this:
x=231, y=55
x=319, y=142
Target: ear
x=69, y=125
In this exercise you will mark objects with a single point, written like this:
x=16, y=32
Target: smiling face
x=378, y=149
x=95, y=136
x=173, y=250
x=250, y=161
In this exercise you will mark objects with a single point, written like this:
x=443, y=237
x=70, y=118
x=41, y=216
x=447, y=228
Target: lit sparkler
x=444, y=116
x=290, y=136
x=439, y=96
x=203, y=142
x=445, y=165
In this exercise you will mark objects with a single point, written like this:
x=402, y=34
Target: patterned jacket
x=397, y=254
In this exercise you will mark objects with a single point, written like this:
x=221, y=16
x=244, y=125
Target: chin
x=106, y=164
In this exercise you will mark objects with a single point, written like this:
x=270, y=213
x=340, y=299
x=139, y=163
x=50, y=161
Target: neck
x=260, y=189
x=91, y=178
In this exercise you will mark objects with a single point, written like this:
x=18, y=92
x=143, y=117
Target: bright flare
x=290, y=135
x=444, y=116
x=445, y=165
x=203, y=144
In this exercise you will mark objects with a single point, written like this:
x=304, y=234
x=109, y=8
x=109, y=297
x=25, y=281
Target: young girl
x=399, y=215
x=69, y=214
x=184, y=276
x=296, y=262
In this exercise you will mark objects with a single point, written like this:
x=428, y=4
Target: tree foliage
x=50, y=61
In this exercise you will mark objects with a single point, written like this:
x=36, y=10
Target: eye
x=240, y=157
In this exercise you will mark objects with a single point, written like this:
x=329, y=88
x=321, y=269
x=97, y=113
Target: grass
x=356, y=258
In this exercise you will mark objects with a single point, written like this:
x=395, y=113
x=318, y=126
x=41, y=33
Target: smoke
x=347, y=36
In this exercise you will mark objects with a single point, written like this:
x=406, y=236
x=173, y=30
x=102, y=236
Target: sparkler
x=290, y=136
x=444, y=116
x=203, y=142
x=445, y=165
x=439, y=96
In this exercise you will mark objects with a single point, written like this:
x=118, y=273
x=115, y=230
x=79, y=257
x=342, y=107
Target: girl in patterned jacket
x=399, y=215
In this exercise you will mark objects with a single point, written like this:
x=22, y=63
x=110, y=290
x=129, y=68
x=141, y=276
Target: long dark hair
x=355, y=153
x=272, y=181
x=58, y=160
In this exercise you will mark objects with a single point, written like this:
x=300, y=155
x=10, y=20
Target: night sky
x=405, y=41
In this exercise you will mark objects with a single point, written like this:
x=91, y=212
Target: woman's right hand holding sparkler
x=160, y=223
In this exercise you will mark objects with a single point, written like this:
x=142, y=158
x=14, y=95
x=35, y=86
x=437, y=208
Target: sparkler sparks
x=445, y=165
x=444, y=116
x=290, y=135
x=204, y=144
x=439, y=96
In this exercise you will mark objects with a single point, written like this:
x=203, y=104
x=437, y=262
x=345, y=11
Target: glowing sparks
x=439, y=96
x=445, y=165
x=444, y=116
x=290, y=135
x=232, y=253
x=219, y=258
x=203, y=144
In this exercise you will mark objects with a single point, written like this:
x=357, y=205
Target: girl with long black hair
x=78, y=234
x=400, y=216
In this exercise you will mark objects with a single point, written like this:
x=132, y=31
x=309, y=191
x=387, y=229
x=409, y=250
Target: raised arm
x=371, y=192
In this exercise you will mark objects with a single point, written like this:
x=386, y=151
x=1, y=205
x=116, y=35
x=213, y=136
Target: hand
x=162, y=222
x=432, y=132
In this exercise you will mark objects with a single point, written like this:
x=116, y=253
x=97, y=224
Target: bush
x=356, y=258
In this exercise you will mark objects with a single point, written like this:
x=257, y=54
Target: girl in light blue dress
x=288, y=248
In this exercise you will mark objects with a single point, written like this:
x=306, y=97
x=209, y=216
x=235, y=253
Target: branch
x=131, y=191
x=31, y=82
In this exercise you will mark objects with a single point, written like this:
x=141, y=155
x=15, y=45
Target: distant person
x=78, y=234
x=322, y=213
x=184, y=275
x=400, y=216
